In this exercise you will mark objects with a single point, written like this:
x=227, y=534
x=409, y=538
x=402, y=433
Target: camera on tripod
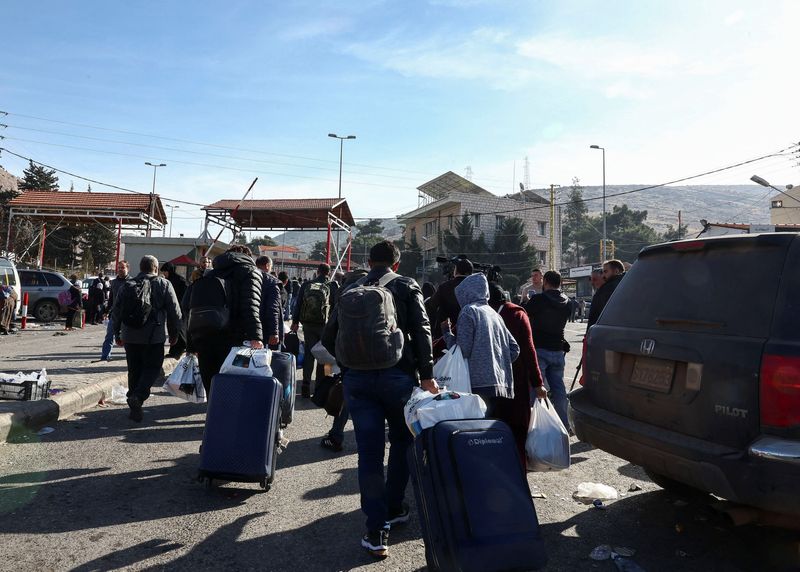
x=492, y=271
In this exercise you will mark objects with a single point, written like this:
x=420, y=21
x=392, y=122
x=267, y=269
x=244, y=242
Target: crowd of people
x=515, y=352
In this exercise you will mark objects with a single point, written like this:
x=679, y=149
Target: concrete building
x=290, y=259
x=446, y=198
x=166, y=249
x=784, y=208
x=726, y=228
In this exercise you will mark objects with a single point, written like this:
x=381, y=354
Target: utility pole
x=152, y=195
x=552, y=254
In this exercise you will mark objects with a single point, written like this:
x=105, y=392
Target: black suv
x=693, y=369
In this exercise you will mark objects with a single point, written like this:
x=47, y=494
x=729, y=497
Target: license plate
x=654, y=374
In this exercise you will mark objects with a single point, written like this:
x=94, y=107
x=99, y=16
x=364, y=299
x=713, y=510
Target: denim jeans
x=551, y=364
x=108, y=343
x=374, y=398
x=144, y=367
x=311, y=335
x=337, y=429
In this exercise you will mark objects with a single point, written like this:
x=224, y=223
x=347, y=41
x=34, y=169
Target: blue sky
x=669, y=88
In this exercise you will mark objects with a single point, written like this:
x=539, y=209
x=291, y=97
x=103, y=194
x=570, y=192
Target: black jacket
x=271, y=312
x=240, y=273
x=601, y=298
x=178, y=282
x=548, y=313
x=443, y=304
x=412, y=319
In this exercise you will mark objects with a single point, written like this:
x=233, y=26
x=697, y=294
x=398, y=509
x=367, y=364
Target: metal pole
x=552, y=225
x=119, y=241
x=41, y=249
x=152, y=202
x=605, y=253
x=341, y=152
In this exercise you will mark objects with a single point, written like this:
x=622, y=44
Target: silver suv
x=43, y=288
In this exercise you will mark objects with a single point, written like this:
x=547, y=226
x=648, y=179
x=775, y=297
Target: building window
x=477, y=220
x=498, y=221
x=542, y=257
x=777, y=204
x=413, y=234
x=430, y=228
x=450, y=222
x=542, y=228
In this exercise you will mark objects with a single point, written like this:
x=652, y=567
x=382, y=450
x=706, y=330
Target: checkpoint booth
x=332, y=215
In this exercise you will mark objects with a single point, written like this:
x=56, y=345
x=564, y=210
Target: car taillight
x=780, y=391
x=583, y=360
x=689, y=245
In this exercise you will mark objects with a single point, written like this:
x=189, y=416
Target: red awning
x=183, y=260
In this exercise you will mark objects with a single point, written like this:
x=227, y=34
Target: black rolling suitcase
x=241, y=435
x=473, y=499
x=284, y=369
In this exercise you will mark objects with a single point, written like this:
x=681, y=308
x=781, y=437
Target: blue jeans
x=337, y=429
x=108, y=343
x=551, y=363
x=374, y=398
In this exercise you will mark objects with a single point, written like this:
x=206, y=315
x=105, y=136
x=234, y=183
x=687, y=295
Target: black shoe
x=398, y=517
x=136, y=409
x=331, y=444
x=305, y=391
x=376, y=542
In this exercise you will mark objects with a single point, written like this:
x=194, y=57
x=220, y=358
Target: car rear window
x=54, y=279
x=7, y=277
x=32, y=279
x=722, y=289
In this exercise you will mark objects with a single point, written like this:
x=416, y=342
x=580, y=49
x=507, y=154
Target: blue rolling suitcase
x=241, y=433
x=473, y=499
x=284, y=368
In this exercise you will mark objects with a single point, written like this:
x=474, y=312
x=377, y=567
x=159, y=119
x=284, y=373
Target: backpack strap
x=386, y=278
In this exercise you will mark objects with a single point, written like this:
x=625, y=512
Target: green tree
x=410, y=258
x=367, y=235
x=101, y=242
x=460, y=241
x=318, y=251
x=38, y=178
x=511, y=250
x=255, y=242
x=628, y=230
x=674, y=233
x=65, y=247
x=576, y=215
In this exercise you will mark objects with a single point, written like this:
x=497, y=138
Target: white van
x=10, y=277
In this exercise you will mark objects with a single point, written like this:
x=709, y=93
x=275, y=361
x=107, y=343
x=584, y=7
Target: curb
x=32, y=415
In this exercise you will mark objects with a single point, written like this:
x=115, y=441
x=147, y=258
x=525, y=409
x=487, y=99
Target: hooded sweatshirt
x=548, y=313
x=484, y=340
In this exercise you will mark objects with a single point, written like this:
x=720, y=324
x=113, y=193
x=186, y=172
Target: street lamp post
x=153, y=194
x=761, y=181
x=341, y=150
x=171, y=213
x=604, y=197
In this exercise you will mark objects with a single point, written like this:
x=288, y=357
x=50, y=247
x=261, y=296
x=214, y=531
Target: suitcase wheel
x=265, y=485
x=207, y=482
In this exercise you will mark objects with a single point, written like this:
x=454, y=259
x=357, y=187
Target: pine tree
x=101, y=242
x=575, y=222
x=38, y=178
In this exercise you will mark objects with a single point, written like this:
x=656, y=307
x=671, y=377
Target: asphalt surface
x=100, y=492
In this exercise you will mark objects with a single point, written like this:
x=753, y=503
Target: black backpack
x=209, y=308
x=136, y=302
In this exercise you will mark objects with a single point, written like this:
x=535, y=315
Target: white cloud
x=734, y=18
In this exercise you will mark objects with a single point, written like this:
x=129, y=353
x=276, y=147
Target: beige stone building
x=446, y=198
x=784, y=208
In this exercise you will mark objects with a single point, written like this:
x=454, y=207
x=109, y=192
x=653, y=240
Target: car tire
x=46, y=311
x=673, y=486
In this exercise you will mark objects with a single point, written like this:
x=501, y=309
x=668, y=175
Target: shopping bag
x=547, y=445
x=322, y=355
x=322, y=389
x=452, y=371
x=424, y=409
x=185, y=381
x=248, y=361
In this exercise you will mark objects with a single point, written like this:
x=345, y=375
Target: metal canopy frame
x=233, y=217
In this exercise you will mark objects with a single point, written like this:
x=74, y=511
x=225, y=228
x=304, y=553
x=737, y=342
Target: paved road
x=103, y=493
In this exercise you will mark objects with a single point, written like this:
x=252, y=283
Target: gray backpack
x=368, y=336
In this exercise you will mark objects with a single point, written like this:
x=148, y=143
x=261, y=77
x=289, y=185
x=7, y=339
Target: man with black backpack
x=313, y=307
x=224, y=310
x=381, y=336
x=144, y=307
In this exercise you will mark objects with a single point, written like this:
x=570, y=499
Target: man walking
x=443, y=303
x=548, y=315
x=116, y=284
x=312, y=309
x=528, y=289
x=144, y=307
x=179, y=284
x=233, y=284
x=613, y=272
x=270, y=312
x=377, y=396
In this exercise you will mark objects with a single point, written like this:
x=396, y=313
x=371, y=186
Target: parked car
x=43, y=288
x=693, y=369
x=10, y=277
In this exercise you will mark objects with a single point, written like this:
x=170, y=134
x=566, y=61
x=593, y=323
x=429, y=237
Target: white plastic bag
x=119, y=395
x=247, y=361
x=452, y=371
x=589, y=492
x=425, y=409
x=547, y=445
x=322, y=355
x=185, y=381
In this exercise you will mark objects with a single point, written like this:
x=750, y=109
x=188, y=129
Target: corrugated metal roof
x=282, y=213
x=278, y=204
